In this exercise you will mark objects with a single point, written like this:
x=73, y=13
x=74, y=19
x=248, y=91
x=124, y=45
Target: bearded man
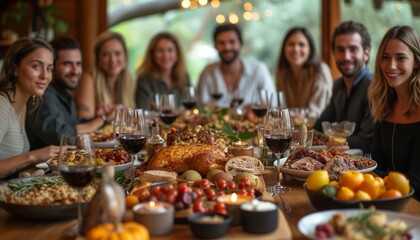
x=233, y=78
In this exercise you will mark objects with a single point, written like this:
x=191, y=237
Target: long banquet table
x=20, y=229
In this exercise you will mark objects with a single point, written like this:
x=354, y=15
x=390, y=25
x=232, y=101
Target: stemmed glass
x=116, y=123
x=132, y=134
x=260, y=104
x=77, y=166
x=167, y=109
x=189, y=97
x=278, y=99
x=278, y=136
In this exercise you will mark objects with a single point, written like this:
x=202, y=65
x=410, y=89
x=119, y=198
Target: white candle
x=152, y=207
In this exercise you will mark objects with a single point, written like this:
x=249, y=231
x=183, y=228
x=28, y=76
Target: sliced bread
x=157, y=176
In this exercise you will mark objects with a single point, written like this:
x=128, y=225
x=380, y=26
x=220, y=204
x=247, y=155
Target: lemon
x=398, y=181
x=362, y=195
x=339, y=140
x=317, y=180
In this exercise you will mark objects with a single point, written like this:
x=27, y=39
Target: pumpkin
x=123, y=231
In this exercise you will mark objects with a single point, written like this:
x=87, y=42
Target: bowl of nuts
x=209, y=225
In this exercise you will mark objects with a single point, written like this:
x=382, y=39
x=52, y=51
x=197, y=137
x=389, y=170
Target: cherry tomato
x=243, y=192
x=205, y=183
x=171, y=196
x=167, y=187
x=197, y=183
x=231, y=185
x=156, y=191
x=198, y=206
x=211, y=194
x=183, y=186
x=251, y=192
x=220, y=208
x=241, y=185
x=246, y=182
x=198, y=191
x=221, y=183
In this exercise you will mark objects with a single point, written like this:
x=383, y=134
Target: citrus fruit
x=391, y=193
x=351, y=179
x=317, y=180
x=335, y=184
x=130, y=201
x=362, y=195
x=329, y=191
x=345, y=194
x=398, y=181
x=371, y=187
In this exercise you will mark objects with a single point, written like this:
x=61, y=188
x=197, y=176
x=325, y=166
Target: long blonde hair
x=381, y=96
x=149, y=67
x=125, y=85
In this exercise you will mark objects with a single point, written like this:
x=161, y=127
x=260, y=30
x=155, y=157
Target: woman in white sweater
x=26, y=72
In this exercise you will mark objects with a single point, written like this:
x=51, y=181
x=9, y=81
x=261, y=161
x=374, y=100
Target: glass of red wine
x=260, y=101
x=189, y=97
x=116, y=122
x=278, y=137
x=132, y=134
x=77, y=165
x=167, y=109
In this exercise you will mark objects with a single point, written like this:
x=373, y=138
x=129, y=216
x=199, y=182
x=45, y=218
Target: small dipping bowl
x=207, y=228
x=233, y=201
x=259, y=216
x=158, y=217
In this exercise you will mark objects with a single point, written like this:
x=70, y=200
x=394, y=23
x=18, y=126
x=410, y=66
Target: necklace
x=392, y=146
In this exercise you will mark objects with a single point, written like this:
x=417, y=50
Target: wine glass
x=132, y=134
x=77, y=166
x=278, y=136
x=260, y=104
x=189, y=97
x=167, y=109
x=278, y=99
x=116, y=123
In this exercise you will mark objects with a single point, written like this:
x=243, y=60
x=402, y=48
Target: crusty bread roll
x=157, y=176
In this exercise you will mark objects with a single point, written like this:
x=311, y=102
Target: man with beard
x=233, y=78
x=57, y=113
x=351, y=49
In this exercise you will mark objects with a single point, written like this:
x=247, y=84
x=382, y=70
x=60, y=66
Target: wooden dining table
x=15, y=228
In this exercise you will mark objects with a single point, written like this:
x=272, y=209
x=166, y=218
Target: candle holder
x=241, y=148
x=158, y=217
x=232, y=202
x=259, y=216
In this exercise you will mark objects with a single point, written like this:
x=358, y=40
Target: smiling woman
x=26, y=72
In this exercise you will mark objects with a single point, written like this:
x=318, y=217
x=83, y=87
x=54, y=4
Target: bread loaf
x=157, y=176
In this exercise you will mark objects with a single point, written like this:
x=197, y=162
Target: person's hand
x=42, y=154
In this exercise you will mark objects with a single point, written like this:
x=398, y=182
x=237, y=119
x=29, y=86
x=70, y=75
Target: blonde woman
x=394, y=96
x=25, y=73
x=109, y=83
x=163, y=71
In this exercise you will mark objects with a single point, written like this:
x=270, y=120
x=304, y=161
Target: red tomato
x=198, y=191
x=171, y=196
x=183, y=186
x=243, y=192
x=156, y=191
x=198, y=206
x=221, y=183
x=231, y=185
x=211, y=194
x=205, y=183
x=220, y=208
x=197, y=183
x=246, y=182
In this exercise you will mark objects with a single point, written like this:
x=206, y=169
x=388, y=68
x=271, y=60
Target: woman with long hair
x=109, y=83
x=26, y=72
x=305, y=80
x=163, y=71
x=394, y=96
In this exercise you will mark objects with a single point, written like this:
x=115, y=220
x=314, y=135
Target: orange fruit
x=380, y=181
x=362, y=196
x=130, y=201
x=371, y=187
x=398, y=181
x=335, y=184
x=391, y=193
x=345, y=194
x=368, y=176
x=317, y=180
x=351, y=179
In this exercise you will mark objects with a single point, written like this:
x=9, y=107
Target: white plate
x=318, y=147
x=354, y=152
x=107, y=144
x=307, y=224
x=302, y=175
x=282, y=161
x=118, y=168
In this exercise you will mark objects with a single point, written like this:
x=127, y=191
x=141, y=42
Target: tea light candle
x=158, y=217
x=239, y=144
x=232, y=202
x=259, y=206
x=241, y=148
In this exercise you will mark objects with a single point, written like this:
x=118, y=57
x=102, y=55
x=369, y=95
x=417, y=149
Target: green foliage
x=234, y=136
x=19, y=11
x=58, y=25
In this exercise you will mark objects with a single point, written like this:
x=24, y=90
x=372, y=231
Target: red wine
x=189, y=104
x=216, y=96
x=168, y=119
x=237, y=101
x=259, y=111
x=77, y=176
x=132, y=143
x=278, y=143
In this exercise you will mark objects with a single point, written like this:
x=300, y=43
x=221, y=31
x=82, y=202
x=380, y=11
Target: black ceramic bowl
x=253, y=221
x=321, y=202
x=209, y=230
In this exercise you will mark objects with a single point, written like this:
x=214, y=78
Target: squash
x=123, y=231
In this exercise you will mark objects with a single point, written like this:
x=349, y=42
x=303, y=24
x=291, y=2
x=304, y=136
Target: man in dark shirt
x=351, y=49
x=56, y=115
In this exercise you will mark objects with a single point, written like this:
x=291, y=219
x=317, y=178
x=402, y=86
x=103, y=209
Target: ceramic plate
x=118, y=168
x=318, y=147
x=107, y=144
x=307, y=224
